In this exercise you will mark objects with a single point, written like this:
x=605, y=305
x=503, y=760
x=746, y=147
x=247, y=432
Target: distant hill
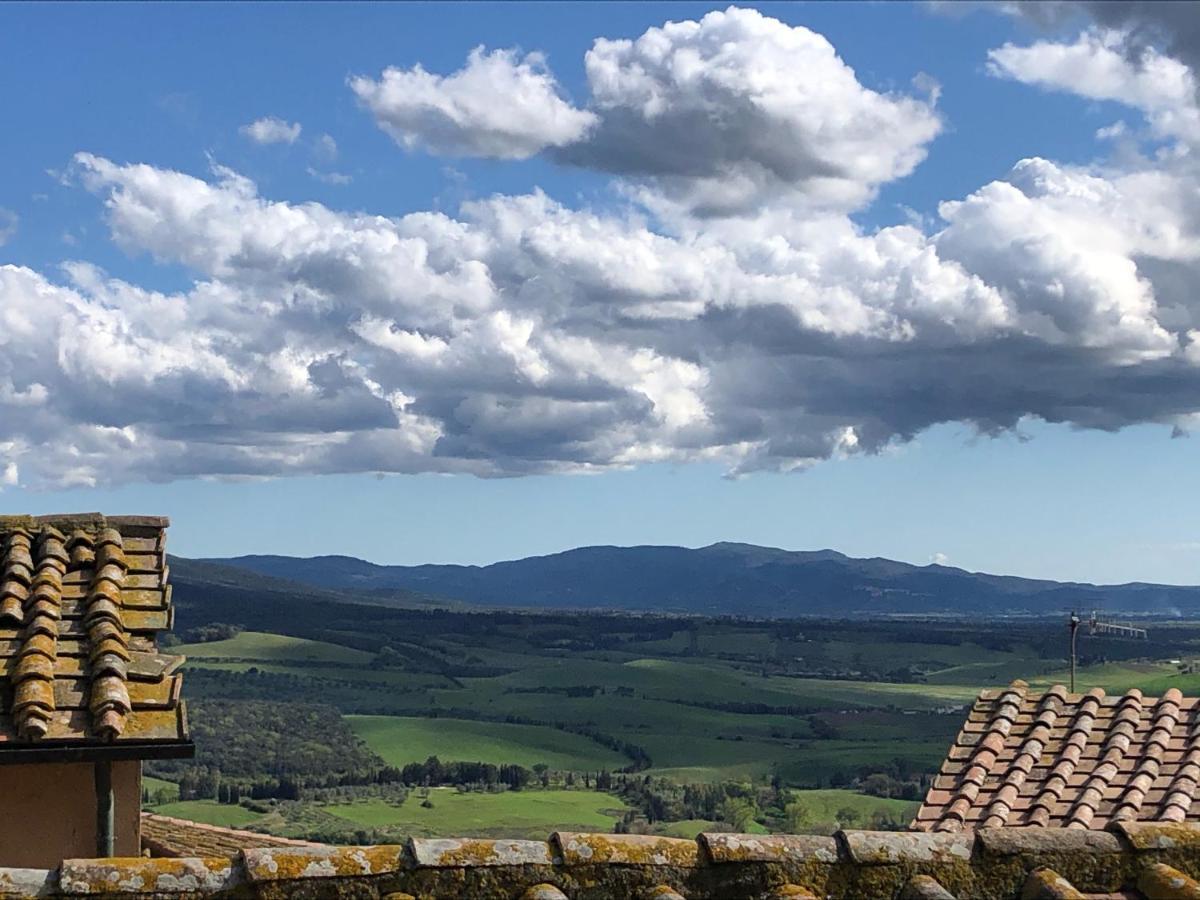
x=206, y=592
x=724, y=578
x=232, y=575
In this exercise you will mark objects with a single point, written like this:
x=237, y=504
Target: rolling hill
x=721, y=579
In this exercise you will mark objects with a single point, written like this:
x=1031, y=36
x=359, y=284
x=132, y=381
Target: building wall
x=48, y=812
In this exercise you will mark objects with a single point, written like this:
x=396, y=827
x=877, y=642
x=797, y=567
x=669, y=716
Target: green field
x=513, y=813
x=403, y=740
x=1149, y=677
x=827, y=804
x=209, y=812
x=157, y=786
x=536, y=813
x=257, y=645
x=686, y=828
x=772, y=725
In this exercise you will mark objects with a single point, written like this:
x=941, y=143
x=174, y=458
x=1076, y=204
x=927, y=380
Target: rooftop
x=167, y=836
x=82, y=598
x=1070, y=760
x=1130, y=860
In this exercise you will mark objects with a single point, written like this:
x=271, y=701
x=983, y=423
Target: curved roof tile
x=1070, y=760
x=81, y=600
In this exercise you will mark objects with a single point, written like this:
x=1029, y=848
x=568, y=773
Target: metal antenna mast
x=1096, y=626
x=1073, y=624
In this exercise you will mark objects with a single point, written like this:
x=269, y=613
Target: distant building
x=85, y=695
x=1057, y=759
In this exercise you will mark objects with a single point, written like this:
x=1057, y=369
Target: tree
x=739, y=812
x=847, y=817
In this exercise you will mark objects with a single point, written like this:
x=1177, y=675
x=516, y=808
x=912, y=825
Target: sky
x=468, y=282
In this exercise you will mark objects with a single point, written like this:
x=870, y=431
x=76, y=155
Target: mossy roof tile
x=83, y=598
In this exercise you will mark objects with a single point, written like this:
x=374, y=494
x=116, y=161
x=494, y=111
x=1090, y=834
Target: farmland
x=261, y=647
x=519, y=814
x=209, y=812
x=399, y=740
x=650, y=723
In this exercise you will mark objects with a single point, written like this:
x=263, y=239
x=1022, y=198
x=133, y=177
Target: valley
x=351, y=722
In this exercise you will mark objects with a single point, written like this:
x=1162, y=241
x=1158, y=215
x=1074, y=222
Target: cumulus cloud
x=1097, y=66
x=1171, y=27
x=717, y=116
x=723, y=113
x=521, y=335
x=525, y=336
x=1061, y=245
x=499, y=105
x=271, y=130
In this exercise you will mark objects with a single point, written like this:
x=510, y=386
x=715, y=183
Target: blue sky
x=867, y=444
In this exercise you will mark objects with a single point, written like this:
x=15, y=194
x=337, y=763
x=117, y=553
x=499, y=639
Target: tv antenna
x=1098, y=626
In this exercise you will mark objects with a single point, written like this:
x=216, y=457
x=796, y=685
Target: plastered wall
x=48, y=812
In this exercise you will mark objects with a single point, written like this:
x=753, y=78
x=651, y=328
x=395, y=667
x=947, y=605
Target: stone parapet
x=1131, y=860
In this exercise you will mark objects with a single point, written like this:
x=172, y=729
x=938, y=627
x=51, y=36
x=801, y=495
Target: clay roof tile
x=11, y=609
x=1073, y=760
x=84, y=639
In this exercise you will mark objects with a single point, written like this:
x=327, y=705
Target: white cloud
x=1170, y=28
x=724, y=113
x=271, y=130
x=522, y=335
x=325, y=149
x=710, y=117
x=8, y=225
x=338, y=178
x=1060, y=245
x=1097, y=65
x=499, y=105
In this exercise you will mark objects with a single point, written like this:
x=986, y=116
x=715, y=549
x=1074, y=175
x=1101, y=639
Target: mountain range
x=721, y=579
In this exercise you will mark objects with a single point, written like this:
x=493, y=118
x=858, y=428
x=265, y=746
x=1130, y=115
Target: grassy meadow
x=399, y=740
x=798, y=714
x=210, y=813
x=259, y=647
x=514, y=813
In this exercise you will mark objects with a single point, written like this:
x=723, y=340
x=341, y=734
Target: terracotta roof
x=81, y=600
x=1132, y=860
x=168, y=836
x=1073, y=760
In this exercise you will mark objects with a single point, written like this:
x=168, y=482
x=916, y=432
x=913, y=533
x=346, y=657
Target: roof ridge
x=91, y=520
x=224, y=829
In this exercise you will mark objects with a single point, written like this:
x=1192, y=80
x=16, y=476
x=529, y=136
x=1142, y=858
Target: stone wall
x=1148, y=860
